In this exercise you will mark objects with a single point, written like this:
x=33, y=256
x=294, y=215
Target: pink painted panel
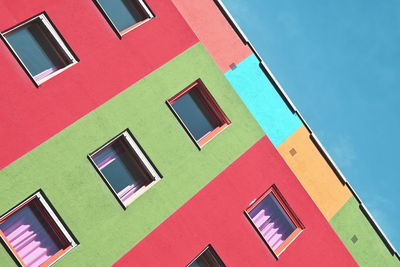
x=213, y=30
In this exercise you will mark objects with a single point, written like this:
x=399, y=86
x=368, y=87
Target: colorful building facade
x=131, y=136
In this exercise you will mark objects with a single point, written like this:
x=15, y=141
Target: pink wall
x=108, y=65
x=215, y=216
x=213, y=30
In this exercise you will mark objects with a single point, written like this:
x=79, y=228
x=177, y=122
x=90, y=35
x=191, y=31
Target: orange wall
x=213, y=30
x=314, y=173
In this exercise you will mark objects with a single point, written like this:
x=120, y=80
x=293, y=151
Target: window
x=275, y=222
x=198, y=112
x=125, y=15
x=39, y=48
x=34, y=234
x=207, y=258
x=125, y=168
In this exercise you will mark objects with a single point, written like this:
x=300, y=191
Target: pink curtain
x=106, y=156
x=272, y=221
x=128, y=191
x=29, y=236
x=45, y=73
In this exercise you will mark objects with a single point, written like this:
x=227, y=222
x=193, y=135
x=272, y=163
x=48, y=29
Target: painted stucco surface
x=215, y=216
x=264, y=102
x=5, y=259
x=314, y=173
x=214, y=31
x=368, y=250
x=61, y=169
x=107, y=66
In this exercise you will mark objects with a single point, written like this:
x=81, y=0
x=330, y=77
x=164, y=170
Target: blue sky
x=339, y=61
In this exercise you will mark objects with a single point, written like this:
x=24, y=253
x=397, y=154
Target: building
x=132, y=137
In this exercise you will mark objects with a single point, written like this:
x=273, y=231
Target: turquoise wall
x=61, y=169
x=264, y=102
x=279, y=123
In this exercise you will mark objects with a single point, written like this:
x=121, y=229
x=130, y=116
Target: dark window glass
x=123, y=13
x=207, y=259
x=35, y=48
x=122, y=168
x=196, y=113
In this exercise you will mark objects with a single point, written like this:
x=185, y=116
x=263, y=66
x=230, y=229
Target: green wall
x=5, y=258
x=369, y=250
x=61, y=169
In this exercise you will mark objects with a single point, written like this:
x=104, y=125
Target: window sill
x=57, y=256
x=51, y=75
x=287, y=242
x=138, y=193
x=209, y=136
x=134, y=26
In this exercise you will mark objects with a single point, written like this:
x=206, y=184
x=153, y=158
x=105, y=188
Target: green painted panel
x=368, y=249
x=5, y=259
x=61, y=169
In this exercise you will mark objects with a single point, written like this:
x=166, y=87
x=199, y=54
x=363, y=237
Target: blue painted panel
x=264, y=102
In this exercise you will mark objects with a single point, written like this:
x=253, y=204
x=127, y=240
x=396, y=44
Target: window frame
x=209, y=102
x=54, y=37
x=142, y=7
x=49, y=215
x=145, y=162
x=214, y=254
x=289, y=212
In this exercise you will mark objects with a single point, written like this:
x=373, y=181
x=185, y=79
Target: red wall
x=215, y=216
x=108, y=65
x=214, y=31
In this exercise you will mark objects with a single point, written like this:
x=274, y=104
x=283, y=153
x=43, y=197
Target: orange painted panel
x=214, y=31
x=314, y=173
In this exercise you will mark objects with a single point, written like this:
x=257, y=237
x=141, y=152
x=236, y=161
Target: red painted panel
x=215, y=216
x=108, y=65
x=213, y=30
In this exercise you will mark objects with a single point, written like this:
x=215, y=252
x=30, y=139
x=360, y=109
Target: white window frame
x=144, y=160
x=53, y=216
x=54, y=34
x=142, y=3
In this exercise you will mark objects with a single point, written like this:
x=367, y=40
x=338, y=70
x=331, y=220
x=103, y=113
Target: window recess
x=273, y=219
x=34, y=234
x=207, y=258
x=198, y=113
x=39, y=48
x=125, y=168
x=124, y=15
